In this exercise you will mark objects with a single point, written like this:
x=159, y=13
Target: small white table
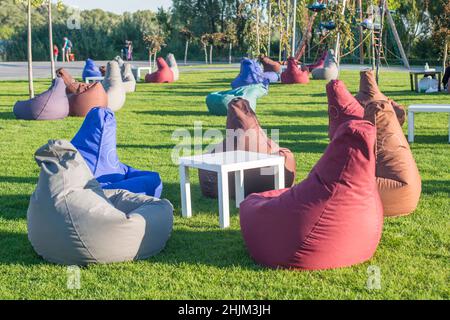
x=94, y=79
x=222, y=164
x=424, y=108
x=137, y=72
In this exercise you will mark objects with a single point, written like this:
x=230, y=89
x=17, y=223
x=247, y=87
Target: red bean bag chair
x=245, y=133
x=82, y=96
x=397, y=175
x=369, y=92
x=269, y=65
x=332, y=219
x=293, y=74
x=342, y=106
x=318, y=64
x=163, y=75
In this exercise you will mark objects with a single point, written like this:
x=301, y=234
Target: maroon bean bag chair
x=49, y=105
x=397, y=175
x=247, y=135
x=269, y=65
x=333, y=219
x=163, y=75
x=342, y=106
x=82, y=96
x=319, y=63
x=369, y=92
x=293, y=74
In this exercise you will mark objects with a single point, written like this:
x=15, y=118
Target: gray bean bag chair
x=114, y=87
x=72, y=221
x=119, y=61
x=330, y=71
x=52, y=104
x=170, y=59
x=129, y=81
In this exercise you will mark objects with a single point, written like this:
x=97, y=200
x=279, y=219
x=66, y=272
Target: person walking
x=55, y=53
x=67, y=49
x=130, y=51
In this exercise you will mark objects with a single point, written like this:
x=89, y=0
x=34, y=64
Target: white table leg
x=239, y=187
x=410, y=126
x=279, y=176
x=224, y=205
x=185, y=192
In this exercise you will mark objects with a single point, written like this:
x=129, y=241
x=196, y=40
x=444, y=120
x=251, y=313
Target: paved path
x=18, y=70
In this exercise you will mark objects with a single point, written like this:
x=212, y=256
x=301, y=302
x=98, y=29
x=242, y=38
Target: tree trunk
x=186, y=52
x=154, y=61
x=50, y=38
x=210, y=54
x=445, y=57
x=258, y=45
x=150, y=60
x=294, y=28
x=361, y=34
x=269, y=16
x=206, y=53
x=30, y=53
x=230, y=49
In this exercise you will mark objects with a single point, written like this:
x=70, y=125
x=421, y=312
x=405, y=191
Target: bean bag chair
x=428, y=85
x=72, y=221
x=342, y=106
x=172, y=63
x=397, y=175
x=269, y=65
x=318, y=64
x=119, y=60
x=273, y=77
x=250, y=73
x=217, y=102
x=163, y=75
x=49, y=105
x=245, y=133
x=96, y=142
x=114, y=87
x=330, y=70
x=369, y=92
x=293, y=74
x=129, y=82
x=82, y=97
x=91, y=70
x=332, y=219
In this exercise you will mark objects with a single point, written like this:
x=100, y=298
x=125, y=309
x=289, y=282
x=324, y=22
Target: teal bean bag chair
x=217, y=102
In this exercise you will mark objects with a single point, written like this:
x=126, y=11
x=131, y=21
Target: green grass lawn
x=202, y=261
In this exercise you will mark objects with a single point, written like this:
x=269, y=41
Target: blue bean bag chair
x=91, y=70
x=251, y=73
x=217, y=102
x=96, y=142
x=272, y=76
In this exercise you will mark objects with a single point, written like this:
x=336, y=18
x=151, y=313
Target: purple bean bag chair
x=91, y=70
x=272, y=76
x=250, y=73
x=96, y=142
x=52, y=104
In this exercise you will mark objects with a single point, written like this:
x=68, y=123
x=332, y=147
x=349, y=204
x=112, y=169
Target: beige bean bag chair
x=72, y=221
x=114, y=87
x=397, y=175
x=330, y=71
x=129, y=81
x=170, y=59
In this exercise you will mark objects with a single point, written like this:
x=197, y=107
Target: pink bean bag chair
x=293, y=74
x=332, y=219
x=342, y=106
x=163, y=75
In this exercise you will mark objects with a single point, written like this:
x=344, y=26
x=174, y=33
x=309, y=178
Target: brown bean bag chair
x=397, y=175
x=269, y=65
x=293, y=74
x=249, y=136
x=369, y=92
x=82, y=96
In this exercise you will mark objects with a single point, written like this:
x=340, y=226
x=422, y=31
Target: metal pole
x=50, y=38
x=361, y=34
x=294, y=23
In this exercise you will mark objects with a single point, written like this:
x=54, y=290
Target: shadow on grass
x=16, y=249
x=14, y=207
x=5, y=115
x=433, y=187
x=434, y=139
x=174, y=113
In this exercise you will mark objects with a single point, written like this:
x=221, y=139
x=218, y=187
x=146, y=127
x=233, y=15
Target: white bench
x=222, y=164
x=424, y=108
x=94, y=79
x=138, y=71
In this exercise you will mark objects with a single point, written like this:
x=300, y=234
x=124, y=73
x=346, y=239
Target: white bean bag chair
x=330, y=71
x=72, y=221
x=114, y=87
x=172, y=62
x=129, y=81
x=428, y=85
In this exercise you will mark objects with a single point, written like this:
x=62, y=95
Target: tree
x=154, y=45
x=187, y=36
x=230, y=38
x=204, y=39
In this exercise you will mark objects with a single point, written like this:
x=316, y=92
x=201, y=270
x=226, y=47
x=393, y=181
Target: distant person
x=446, y=78
x=55, y=53
x=125, y=51
x=130, y=51
x=67, y=49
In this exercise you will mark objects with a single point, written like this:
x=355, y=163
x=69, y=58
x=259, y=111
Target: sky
x=119, y=6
